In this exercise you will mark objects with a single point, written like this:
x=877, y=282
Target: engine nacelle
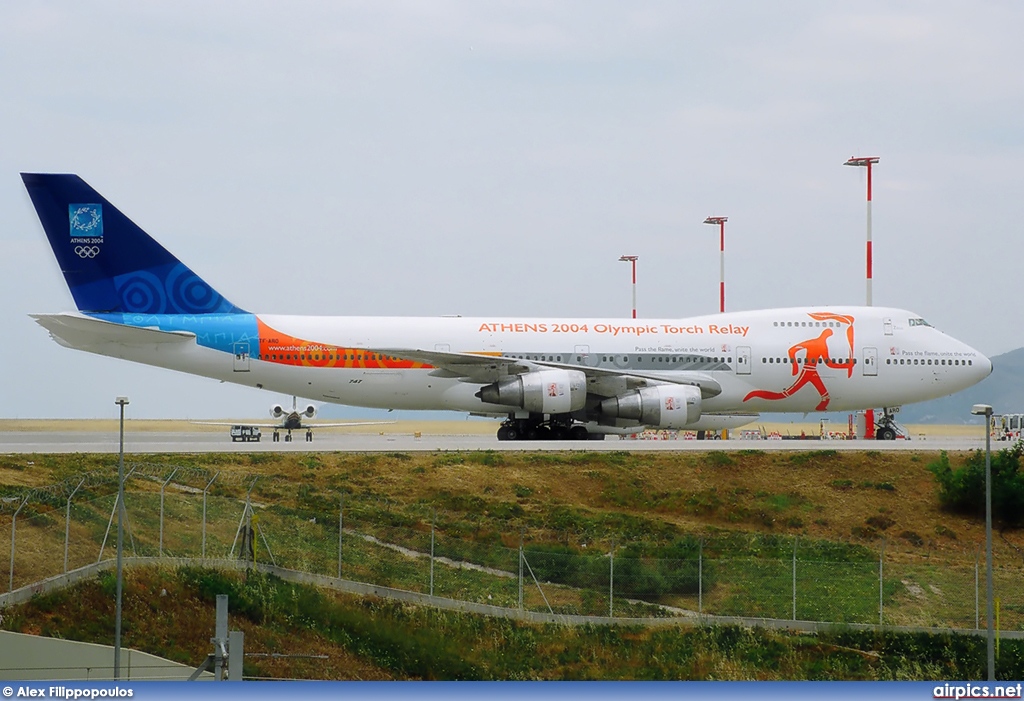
x=277, y=411
x=660, y=406
x=541, y=392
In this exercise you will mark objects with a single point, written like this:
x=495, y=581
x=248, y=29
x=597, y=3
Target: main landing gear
x=886, y=428
x=533, y=430
x=288, y=436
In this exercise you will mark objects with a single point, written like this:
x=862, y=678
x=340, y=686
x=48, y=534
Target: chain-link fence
x=198, y=514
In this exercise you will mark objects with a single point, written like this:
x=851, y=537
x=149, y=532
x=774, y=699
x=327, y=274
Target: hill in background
x=1003, y=389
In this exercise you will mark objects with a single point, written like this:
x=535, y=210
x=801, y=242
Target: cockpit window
x=919, y=322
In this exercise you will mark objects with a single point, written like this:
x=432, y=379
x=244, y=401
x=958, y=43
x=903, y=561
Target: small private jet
x=292, y=421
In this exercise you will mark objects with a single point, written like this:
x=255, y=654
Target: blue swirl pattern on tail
x=110, y=264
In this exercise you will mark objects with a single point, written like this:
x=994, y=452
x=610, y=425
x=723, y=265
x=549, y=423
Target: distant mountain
x=1003, y=390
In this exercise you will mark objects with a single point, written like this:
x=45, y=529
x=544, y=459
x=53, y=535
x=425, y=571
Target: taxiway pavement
x=25, y=442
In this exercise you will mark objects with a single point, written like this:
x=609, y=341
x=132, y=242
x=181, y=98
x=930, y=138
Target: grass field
x=837, y=509
x=169, y=613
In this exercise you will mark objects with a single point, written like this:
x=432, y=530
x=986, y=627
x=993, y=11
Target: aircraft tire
x=503, y=433
x=511, y=433
x=886, y=434
x=579, y=433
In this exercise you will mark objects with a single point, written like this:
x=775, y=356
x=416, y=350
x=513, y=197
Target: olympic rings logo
x=87, y=251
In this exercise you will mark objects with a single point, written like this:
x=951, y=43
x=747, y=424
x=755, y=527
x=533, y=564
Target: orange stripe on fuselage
x=283, y=349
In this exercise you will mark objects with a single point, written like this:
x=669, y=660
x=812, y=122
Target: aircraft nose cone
x=983, y=365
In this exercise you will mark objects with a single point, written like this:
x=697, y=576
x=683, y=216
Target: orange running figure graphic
x=815, y=352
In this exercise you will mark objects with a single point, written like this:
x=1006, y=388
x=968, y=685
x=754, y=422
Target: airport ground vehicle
x=245, y=433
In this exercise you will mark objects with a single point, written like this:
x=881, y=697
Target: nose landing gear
x=886, y=426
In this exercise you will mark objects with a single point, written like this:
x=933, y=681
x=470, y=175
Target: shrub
x=912, y=538
x=962, y=490
x=879, y=522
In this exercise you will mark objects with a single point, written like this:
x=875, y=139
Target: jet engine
x=659, y=406
x=277, y=411
x=540, y=392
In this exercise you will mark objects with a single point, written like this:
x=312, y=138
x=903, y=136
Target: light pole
x=720, y=221
x=121, y=402
x=986, y=411
x=632, y=260
x=866, y=161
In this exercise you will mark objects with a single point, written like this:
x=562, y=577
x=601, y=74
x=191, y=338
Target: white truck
x=245, y=433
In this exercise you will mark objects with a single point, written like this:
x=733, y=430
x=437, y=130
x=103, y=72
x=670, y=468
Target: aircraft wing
x=284, y=428
x=491, y=367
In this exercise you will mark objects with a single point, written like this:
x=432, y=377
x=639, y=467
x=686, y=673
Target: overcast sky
x=496, y=158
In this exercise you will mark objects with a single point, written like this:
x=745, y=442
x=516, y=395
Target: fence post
x=611, y=580
x=520, y=568
x=795, y=541
x=67, y=523
x=700, y=578
x=208, y=485
x=162, y=487
x=881, y=559
x=433, y=521
x=341, y=524
x=115, y=511
x=14, y=520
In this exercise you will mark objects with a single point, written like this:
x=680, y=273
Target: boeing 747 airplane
x=549, y=378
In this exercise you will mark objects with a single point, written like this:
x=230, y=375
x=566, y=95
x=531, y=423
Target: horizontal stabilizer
x=83, y=332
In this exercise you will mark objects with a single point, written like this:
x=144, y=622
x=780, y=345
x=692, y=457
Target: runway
x=25, y=442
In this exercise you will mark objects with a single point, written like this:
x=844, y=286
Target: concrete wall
x=34, y=658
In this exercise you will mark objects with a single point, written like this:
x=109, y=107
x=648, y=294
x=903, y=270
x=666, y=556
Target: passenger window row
x=812, y=324
x=927, y=361
x=811, y=361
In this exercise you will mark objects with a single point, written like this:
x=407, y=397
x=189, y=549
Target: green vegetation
x=688, y=530
x=962, y=489
x=370, y=638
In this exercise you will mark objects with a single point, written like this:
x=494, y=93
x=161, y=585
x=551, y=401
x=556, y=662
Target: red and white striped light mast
x=632, y=259
x=721, y=262
x=866, y=161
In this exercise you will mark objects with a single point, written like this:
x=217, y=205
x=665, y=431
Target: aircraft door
x=241, y=363
x=870, y=362
x=581, y=355
x=742, y=360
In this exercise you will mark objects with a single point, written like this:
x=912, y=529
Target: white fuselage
x=781, y=360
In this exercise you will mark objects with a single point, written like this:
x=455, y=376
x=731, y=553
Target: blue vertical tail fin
x=109, y=263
